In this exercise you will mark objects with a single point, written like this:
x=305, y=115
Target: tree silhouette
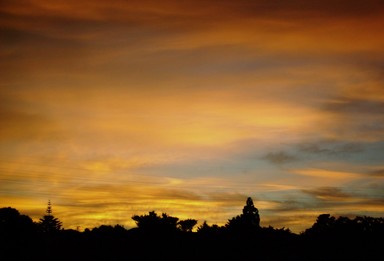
x=48, y=223
x=12, y=223
x=153, y=222
x=161, y=237
x=206, y=229
x=187, y=225
x=249, y=219
x=325, y=224
x=344, y=226
x=251, y=214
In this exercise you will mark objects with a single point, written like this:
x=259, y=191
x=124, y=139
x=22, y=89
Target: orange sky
x=115, y=108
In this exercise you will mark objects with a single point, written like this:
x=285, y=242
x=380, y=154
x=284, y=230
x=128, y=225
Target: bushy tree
x=153, y=222
x=327, y=225
x=13, y=224
x=187, y=225
x=207, y=229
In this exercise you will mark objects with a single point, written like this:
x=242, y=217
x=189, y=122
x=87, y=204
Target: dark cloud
x=330, y=148
x=333, y=197
x=355, y=106
x=374, y=201
x=75, y=33
x=328, y=200
x=326, y=193
x=280, y=157
x=326, y=6
x=172, y=14
x=356, y=118
x=377, y=173
x=292, y=205
x=174, y=194
x=307, y=9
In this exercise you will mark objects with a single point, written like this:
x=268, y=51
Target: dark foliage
x=248, y=221
x=360, y=238
x=154, y=223
x=48, y=223
x=187, y=225
x=163, y=237
x=13, y=224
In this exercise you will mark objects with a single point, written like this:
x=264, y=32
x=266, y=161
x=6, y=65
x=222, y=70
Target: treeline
x=163, y=237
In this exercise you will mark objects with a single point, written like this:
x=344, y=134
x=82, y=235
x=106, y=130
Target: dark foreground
x=116, y=243
x=168, y=238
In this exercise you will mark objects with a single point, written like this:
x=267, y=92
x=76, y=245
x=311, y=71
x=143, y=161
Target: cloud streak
x=280, y=158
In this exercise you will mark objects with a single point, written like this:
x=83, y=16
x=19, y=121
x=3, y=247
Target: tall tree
x=251, y=213
x=48, y=223
x=249, y=219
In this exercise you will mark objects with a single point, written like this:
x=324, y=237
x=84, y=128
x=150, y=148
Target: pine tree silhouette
x=48, y=223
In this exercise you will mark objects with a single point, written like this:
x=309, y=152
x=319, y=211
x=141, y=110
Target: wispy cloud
x=331, y=148
x=327, y=174
x=328, y=193
x=356, y=106
x=280, y=158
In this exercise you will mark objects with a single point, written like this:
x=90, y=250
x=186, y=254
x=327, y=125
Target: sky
x=116, y=108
